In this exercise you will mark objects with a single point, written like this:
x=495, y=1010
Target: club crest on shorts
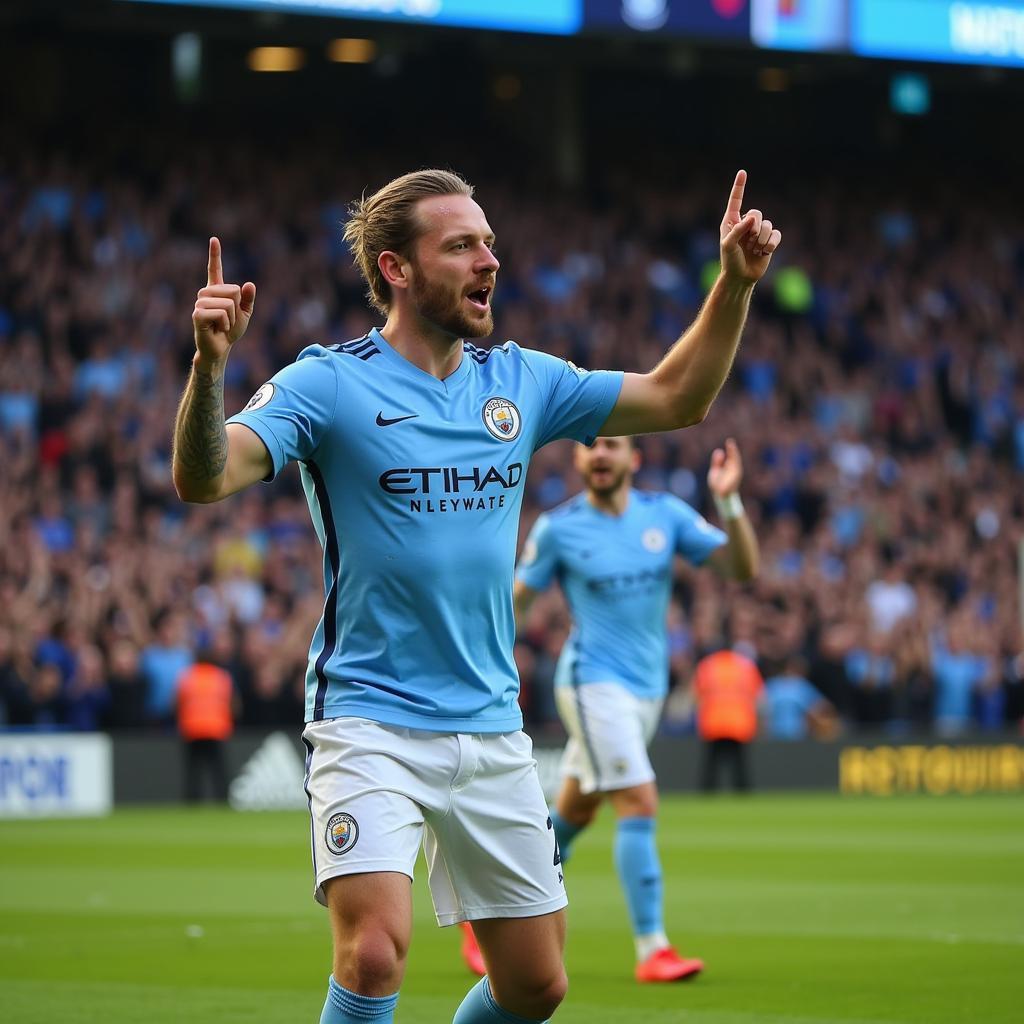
x=654, y=539
x=502, y=419
x=261, y=398
x=342, y=833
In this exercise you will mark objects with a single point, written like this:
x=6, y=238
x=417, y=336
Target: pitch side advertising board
x=55, y=775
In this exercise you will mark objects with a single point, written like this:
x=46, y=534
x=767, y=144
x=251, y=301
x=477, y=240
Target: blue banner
x=800, y=24
x=953, y=31
x=708, y=18
x=556, y=17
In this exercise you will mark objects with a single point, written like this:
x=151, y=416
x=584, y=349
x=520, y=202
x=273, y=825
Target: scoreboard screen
x=555, y=17
x=950, y=31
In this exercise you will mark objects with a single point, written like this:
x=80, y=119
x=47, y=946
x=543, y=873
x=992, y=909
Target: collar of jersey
x=605, y=516
x=400, y=363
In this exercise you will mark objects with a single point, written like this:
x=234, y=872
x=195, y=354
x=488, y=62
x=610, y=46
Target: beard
x=614, y=481
x=443, y=308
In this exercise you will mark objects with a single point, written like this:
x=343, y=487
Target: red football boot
x=667, y=965
x=471, y=951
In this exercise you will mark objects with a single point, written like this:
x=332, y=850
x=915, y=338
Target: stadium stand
x=878, y=397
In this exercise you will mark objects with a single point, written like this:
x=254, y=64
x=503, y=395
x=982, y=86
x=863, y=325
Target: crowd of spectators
x=878, y=400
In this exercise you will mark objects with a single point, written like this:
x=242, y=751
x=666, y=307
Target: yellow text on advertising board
x=887, y=770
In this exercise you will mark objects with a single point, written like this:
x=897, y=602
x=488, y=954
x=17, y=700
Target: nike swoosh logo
x=381, y=422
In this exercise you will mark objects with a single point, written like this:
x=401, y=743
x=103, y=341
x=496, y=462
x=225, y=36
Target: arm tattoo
x=200, y=438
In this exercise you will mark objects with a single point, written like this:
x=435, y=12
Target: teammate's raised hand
x=748, y=240
x=726, y=470
x=222, y=311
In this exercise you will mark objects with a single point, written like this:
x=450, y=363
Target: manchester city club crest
x=502, y=419
x=654, y=539
x=342, y=833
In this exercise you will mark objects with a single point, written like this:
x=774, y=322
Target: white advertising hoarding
x=53, y=774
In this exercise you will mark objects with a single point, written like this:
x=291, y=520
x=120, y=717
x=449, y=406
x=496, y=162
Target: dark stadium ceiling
x=65, y=64
x=965, y=32
x=680, y=53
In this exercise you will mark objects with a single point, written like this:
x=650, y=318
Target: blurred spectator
x=727, y=687
x=46, y=707
x=891, y=598
x=878, y=395
x=828, y=669
x=205, y=708
x=88, y=697
x=163, y=662
x=794, y=709
x=1013, y=683
x=267, y=699
x=959, y=674
x=872, y=671
x=127, y=709
x=912, y=680
x=13, y=684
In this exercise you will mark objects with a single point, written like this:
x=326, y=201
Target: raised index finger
x=736, y=195
x=214, y=271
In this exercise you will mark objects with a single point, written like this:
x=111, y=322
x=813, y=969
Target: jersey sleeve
x=696, y=538
x=538, y=563
x=292, y=412
x=575, y=403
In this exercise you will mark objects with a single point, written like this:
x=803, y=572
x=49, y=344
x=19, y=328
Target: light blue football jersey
x=616, y=574
x=414, y=486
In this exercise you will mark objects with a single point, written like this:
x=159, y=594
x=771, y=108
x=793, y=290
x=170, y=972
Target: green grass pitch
x=807, y=910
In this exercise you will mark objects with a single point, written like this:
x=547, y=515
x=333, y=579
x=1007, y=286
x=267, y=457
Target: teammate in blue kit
x=612, y=550
x=413, y=446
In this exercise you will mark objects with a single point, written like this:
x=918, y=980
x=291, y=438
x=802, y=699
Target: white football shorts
x=609, y=729
x=473, y=800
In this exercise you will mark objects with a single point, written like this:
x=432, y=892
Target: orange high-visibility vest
x=727, y=686
x=204, y=703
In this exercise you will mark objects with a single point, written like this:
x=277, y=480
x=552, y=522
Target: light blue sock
x=479, y=1007
x=565, y=833
x=636, y=859
x=344, y=1007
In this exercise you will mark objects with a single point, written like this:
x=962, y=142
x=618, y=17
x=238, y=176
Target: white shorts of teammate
x=474, y=801
x=609, y=729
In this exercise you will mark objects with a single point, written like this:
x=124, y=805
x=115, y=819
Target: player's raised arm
x=740, y=559
x=680, y=389
x=211, y=461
